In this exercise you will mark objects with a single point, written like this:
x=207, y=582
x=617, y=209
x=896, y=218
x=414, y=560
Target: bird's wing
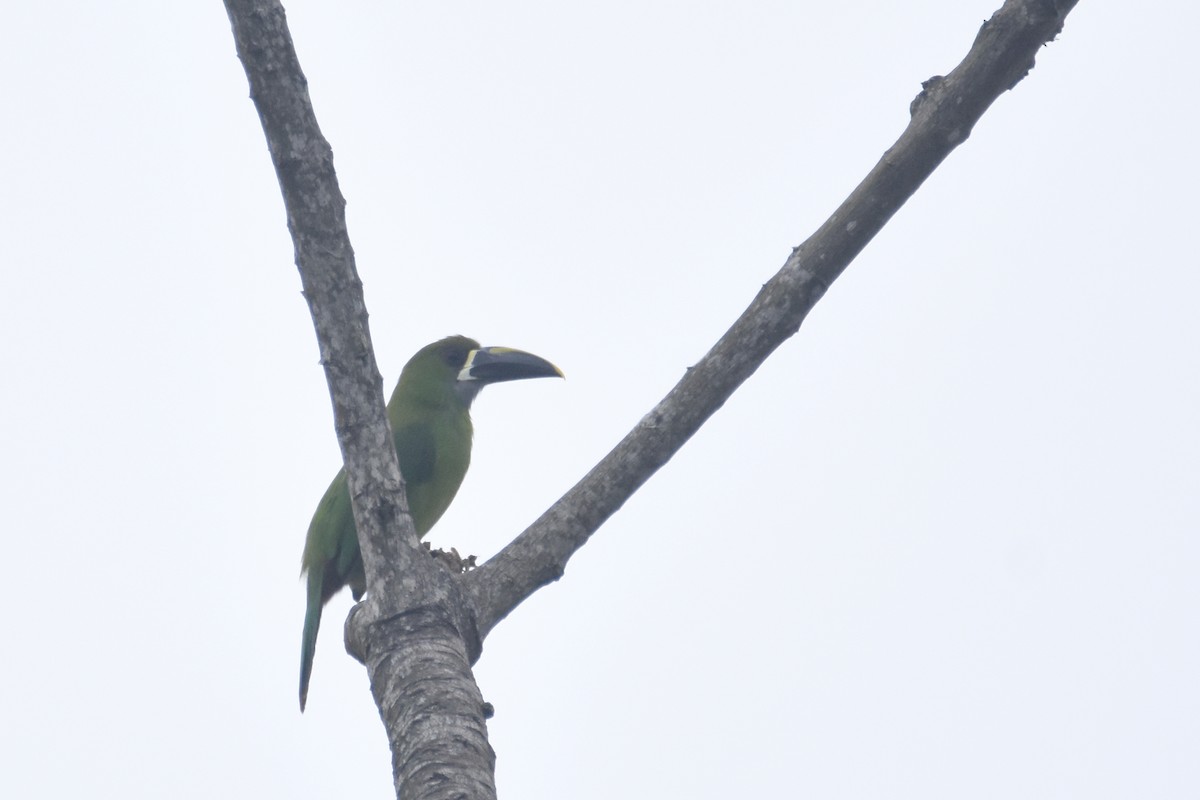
x=415, y=448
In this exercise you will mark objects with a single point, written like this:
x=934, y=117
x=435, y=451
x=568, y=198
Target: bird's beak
x=495, y=364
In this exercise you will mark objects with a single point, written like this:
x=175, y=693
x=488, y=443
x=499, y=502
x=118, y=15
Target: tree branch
x=316, y=218
x=412, y=630
x=942, y=118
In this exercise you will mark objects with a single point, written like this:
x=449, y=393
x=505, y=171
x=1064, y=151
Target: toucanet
x=431, y=426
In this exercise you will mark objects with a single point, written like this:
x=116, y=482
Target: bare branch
x=942, y=118
x=316, y=218
x=412, y=630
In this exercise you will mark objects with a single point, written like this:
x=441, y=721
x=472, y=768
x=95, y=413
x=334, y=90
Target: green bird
x=431, y=426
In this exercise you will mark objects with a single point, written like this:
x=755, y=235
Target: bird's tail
x=312, y=623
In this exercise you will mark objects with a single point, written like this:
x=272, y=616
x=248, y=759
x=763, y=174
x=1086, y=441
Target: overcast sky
x=943, y=545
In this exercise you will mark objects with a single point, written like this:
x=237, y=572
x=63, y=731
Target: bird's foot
x=451, y=559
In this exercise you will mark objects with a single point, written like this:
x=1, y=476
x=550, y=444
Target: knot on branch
x=927, y=87
x=429, y=606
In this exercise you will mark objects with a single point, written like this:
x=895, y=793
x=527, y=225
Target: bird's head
x=461, y=363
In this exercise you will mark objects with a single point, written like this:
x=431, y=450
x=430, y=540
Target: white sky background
x=942, y=545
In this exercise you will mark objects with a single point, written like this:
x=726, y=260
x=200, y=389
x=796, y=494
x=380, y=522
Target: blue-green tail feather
x=312, y=623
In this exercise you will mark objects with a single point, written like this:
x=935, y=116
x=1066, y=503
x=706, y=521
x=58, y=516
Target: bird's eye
x=454, y=357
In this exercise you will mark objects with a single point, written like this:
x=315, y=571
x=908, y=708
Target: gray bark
x=414, y=630
x=421, y=627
